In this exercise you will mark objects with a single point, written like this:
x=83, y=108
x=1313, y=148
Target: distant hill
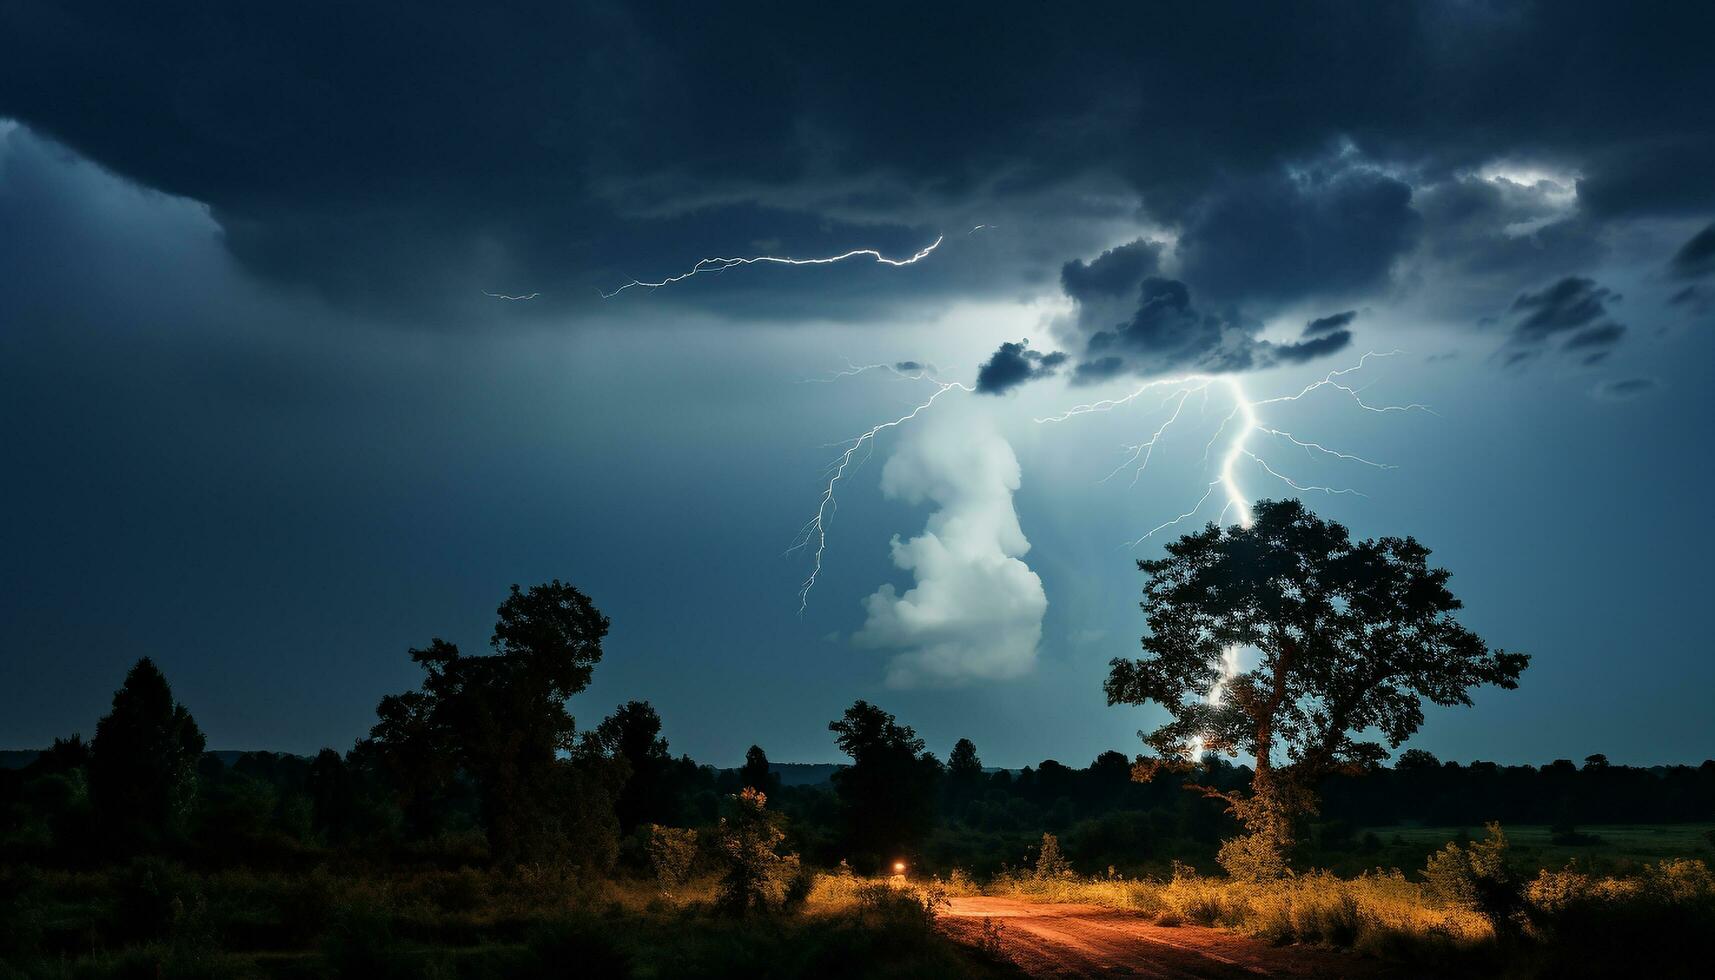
x=803, y=773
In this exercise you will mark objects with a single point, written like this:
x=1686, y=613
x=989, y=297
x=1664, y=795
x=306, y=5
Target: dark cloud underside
x=398, y=159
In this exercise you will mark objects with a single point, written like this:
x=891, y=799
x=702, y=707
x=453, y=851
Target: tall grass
x=1566, y=923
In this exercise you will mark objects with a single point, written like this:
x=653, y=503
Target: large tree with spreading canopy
x=1348, y=638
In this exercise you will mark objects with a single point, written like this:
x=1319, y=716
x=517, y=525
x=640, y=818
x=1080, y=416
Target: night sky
x=264, y=422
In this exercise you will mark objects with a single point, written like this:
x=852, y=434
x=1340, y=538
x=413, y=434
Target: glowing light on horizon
x=720, y=264
x=1238, y=449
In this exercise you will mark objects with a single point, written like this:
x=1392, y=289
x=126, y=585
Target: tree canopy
x=888, y=793
x=500, y=720
x=1348, y=637
x=143, y=760
x=1351, y=637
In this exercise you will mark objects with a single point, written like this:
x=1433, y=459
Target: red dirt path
x=1090, y=941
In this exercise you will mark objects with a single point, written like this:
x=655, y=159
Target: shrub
x=1475, y=877
x=754, y=877
x=1051, y=865
x=671, y=851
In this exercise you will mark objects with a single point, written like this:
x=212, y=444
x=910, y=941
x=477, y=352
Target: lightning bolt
x=926, y=371
x=719, y=264
x=506, y=297
x=1180, y=389
x=815, y=531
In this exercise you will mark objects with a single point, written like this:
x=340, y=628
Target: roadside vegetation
x=1468, y=909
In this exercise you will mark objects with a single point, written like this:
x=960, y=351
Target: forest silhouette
x=481, y=782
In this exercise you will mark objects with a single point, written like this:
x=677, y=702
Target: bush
x=1661, y=923
x=754, y=876
x=671, y=852
x=1051, y=865
x=1476, y=877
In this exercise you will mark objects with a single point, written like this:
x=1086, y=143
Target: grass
x=1657, y=919
x=158, y=919
x=1622, y=847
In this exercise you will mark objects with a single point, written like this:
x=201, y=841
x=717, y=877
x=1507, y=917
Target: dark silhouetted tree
x=1417, y=760
x=755, y=774
x=888, y=792
x=964, y=765
x=143, y=762
x=500, y=721
x=333, y=797
x=633, y=734
x=1352, y=636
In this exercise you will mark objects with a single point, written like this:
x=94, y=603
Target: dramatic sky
x=265, y=417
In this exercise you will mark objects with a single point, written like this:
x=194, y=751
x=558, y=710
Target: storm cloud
x=1332, y=323
x=403, y=164
x=1575, y=308
x=1014, y=364
x=1696, y=258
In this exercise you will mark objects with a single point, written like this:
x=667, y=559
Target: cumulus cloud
x=1491, y=234
x=1327, y=231
x=1014, y=364
x=1164, y=329
x=975, y=609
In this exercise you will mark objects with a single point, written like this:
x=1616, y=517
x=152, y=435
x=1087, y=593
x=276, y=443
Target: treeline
x=1421, y=789
x=483, y=764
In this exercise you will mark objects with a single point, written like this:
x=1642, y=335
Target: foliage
x=501, y=722
x=755, y=773
x=1050, y=863
x=754, y=876
x=1352, y=636
x=672, y=850
x=888, y=793
x=633, y=734
x=1476, y=877
x=143, y=762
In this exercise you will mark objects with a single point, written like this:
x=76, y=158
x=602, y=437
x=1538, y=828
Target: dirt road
x=1091, y=941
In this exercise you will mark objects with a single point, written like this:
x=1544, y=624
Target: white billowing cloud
x=975, y=612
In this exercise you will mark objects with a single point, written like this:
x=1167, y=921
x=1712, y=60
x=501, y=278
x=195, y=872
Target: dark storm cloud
x=1309, y=350
x=1571, y=303
x=1489, y=237
x=405, y=160
x=1329, y=323
x=1166, y=332
x=1112, y=275
x=1658, y=177
x=1575, y=308
x=1605, y=335
x=1286, y=237
x=1696, y=258
x=1014, y=364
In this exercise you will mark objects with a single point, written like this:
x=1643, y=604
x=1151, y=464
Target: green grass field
x=1621, y=846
